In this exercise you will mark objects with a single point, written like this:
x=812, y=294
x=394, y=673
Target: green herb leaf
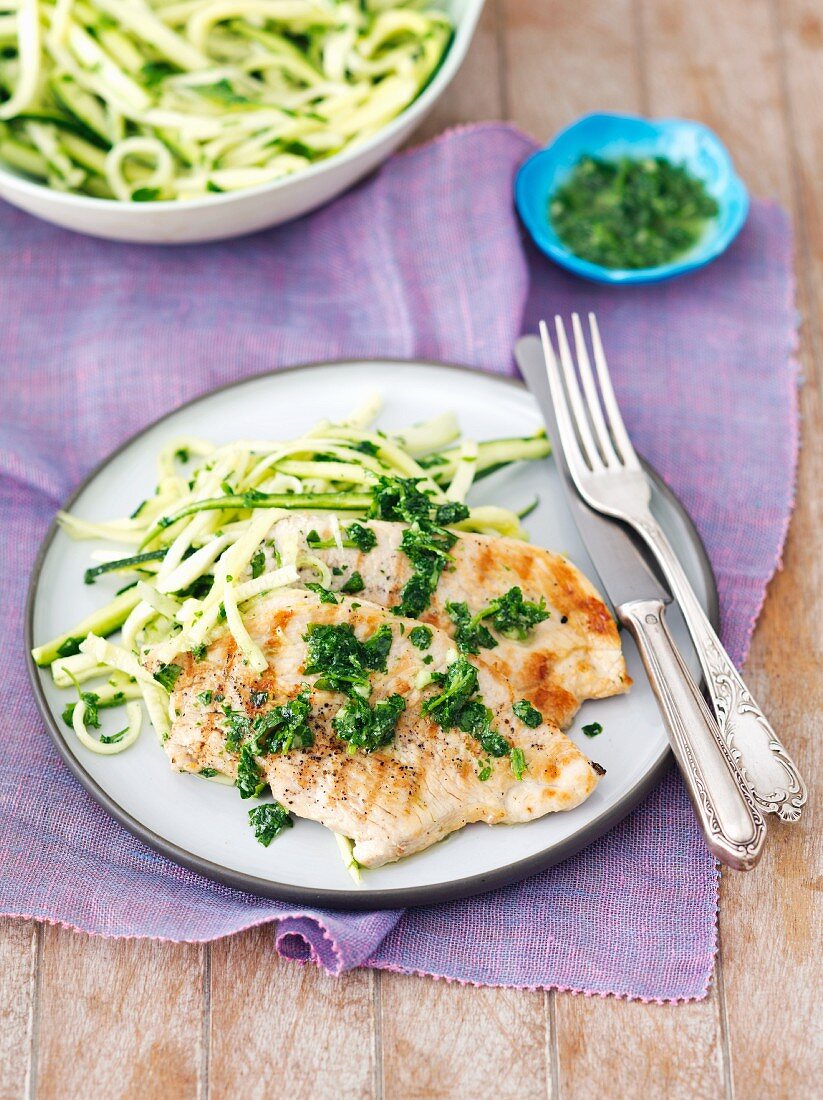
x=592, y=729
x=205, y=697
x=285, y=727
x=269, y=820
x=421, y=637
x=258, y=563
x=470, y=634
x=354, y=584
x=249, y=781
x=518, y=763
x=528, y=714
x=325, y=595
x=365, y=727
x=167, y=676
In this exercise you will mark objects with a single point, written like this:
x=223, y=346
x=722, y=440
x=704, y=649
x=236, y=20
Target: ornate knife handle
x=732, y=825
x=757, y=751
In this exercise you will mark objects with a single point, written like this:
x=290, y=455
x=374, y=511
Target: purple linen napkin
x=424, y=260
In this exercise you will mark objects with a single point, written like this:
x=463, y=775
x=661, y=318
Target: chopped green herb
x=208, y=773
x=285, y=727
x=518, y=763
x=249, y=781
x=268, y=820
x=93, y=704
x=630, y=213
x=258, y=698
x=514, y=617
x=113, y=738
x=167, y=676
x=470, y=634
x=199, y=652
x=528, y=714
x=366, y=447
x=258, y=563
x=341, y=659
x=592, y=729
x=363, y=538
x=325, y=595
x=354, y=584
x=458, y=707
x=205, y=697
x=237, y=727
x=485, y=772
x=365, y=727
x=421, y=636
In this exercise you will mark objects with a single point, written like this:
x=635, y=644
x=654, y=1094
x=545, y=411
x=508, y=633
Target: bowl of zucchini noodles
x=172, y=121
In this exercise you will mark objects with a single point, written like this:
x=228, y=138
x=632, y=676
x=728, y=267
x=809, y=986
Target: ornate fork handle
x=731, y=821
x=758, y=753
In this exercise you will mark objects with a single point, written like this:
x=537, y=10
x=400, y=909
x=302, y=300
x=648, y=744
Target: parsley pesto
x=426, y=542
x=458, y=706
x=630, y=213
x=343, y=663
x=509, y=614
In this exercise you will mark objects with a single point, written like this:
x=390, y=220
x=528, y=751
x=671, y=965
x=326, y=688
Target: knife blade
x=732, y=824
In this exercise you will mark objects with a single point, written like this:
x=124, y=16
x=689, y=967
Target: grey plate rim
x=346, y=900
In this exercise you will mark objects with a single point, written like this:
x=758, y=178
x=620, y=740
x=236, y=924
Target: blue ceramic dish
x=614, y=136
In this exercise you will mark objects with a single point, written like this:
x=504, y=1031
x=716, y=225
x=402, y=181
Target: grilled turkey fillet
x=398, y=799
x=572, y=656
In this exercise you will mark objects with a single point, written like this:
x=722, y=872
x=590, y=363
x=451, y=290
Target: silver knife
x=733, y=827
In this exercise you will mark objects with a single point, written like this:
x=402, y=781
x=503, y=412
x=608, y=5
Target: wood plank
x=442, y=1040
x=564, y=60
x=701, y=64
x=772, y=954
x=18, y=956
x=627, y=1049
x=119, y=1018
x=475, y=92
x=280, y=1027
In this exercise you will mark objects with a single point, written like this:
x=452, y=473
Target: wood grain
x=447, y=1040
x=476, y=92
x=618, y=1048
x=18, y=958
x=566, y=59
x=118, y=1019
x=767, y=917
x=278, y=1027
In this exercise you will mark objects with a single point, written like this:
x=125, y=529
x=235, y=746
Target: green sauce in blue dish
x=619, y=199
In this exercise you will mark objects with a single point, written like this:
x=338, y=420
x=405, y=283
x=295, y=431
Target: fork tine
x=618, y=428
x=607, y=451
x=565, y=425
x=578, y=409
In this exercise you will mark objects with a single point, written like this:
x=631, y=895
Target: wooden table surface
x=93, y=1018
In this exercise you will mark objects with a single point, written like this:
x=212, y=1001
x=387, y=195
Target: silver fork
x=609, y=477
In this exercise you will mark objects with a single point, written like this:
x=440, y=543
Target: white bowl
x=218, y=216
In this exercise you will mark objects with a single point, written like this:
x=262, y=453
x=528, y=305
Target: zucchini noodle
x=145, y=100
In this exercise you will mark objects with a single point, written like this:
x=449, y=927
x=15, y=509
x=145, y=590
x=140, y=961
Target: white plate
x=203, y=825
